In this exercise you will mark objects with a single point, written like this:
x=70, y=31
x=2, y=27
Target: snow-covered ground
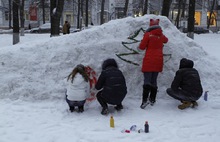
x=32, y=85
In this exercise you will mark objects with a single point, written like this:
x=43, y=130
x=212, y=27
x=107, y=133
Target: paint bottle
x=146, y=127
x=133, y=128
x=206, y=96
x=112, y=124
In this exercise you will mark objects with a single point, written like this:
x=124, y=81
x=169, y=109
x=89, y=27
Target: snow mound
x=38, y=70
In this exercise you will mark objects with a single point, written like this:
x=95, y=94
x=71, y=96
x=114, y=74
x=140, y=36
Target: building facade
x=114, y=9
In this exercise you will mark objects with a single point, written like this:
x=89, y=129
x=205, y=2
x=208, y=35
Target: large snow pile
x=39, y=70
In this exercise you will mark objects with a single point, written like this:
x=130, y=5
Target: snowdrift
x=33, y=71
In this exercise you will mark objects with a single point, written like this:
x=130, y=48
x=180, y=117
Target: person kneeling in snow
x=186, y=85
x=78, y=88
x=113, y=85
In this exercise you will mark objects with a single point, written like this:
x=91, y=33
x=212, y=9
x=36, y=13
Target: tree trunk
x=56, y=9
x=166, y=7
x=9, y=14
x=126, y=8
x=87, y=13
x=78, y=15
x=191, y=19
x=102, y=12
x=43, y=10
x=178, y=14
x=15, y=22
x=183, y=9
x=145, y=7
x=81, y=18
x=211, y=12
x=22, y=20
x=141, y=3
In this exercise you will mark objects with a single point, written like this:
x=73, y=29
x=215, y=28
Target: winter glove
x=139, y=50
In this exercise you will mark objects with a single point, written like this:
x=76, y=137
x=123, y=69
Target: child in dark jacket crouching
x=113, y=85
x=186, y=86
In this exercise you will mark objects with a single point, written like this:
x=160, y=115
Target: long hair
x=78, y=69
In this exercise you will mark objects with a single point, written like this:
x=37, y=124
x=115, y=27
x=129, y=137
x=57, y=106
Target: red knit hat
x=154, y=22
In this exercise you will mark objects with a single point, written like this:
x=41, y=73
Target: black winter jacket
x=187, y=78
x=112, y=82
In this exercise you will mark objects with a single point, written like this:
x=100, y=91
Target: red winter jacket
x=153, y=41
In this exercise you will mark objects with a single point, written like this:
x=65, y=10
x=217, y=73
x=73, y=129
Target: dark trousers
x=102, y=101
x=150, y=78
x=179, y=94
x=75, y=103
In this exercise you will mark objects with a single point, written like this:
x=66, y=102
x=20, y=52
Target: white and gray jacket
x=78, y=90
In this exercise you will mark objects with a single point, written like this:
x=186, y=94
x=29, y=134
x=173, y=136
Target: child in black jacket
x=186, y=85
x=113, y=85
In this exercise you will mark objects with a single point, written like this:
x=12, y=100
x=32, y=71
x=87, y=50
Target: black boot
x=72, y=108
x=119, y=107
x=146, y=91
x=104, y=111
x=153, y=95
x=80, y=109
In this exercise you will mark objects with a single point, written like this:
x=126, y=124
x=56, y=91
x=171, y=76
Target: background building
x=114, y=9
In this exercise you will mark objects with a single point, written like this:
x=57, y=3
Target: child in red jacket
x=152, y=42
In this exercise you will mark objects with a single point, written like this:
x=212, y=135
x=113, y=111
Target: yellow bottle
x=112, y=124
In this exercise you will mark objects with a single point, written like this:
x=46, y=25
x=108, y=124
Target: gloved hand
x=139, y=50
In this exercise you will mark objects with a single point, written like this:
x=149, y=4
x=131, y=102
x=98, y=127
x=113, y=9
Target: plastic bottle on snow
x=133, y=128
x=206, y=96
x=146, y=127
x=112, y=123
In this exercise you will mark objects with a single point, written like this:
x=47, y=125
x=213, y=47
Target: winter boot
x=104, y=111
x=194, y=104
x=72, y=108
x=119, y=107
x=146, y=91
x=153, y=95
x=80, y=109
x=185, y=104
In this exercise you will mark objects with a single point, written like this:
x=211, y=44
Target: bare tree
x=15, y=21
x=191, y=19
x=87, y=13
x=178, y=14
x=56, y=9
x=126, y=8
x=183, y=9
x=43, y=10
x=211, y=13
x=102, y=12
x=82, y=14
x=145, y=7
x=78, y=15
x=9, y=1
x=141, y=3
x=166, y=7
x=22, y=17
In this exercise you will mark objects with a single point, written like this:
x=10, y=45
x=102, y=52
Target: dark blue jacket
x=187, y=78
x=112, y=82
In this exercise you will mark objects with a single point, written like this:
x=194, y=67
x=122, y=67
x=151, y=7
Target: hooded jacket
x=112, y=82
x=152, y=42
x=187, y=79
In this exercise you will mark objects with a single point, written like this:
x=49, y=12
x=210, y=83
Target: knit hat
x=154, y=22
x=109, y=62
x=186, y=63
